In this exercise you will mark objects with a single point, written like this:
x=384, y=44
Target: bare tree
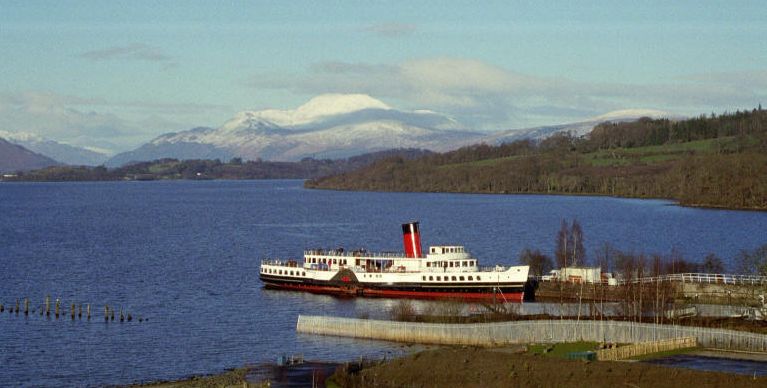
x=578, y=251
x=712, y=264
x=562, y=245
x=539, y=263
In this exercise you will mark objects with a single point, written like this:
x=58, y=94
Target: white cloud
x=486, y=96
x=91, y=121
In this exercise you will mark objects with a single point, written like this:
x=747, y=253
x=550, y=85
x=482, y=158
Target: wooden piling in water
x=80, y=311
x=17, y=306
x=106, y=313
x=72, y=311
x=113, y=314
x=89, y=311
x=2, y=308
x=26, y=306
x=122, y=317
x=48, y=305
x=58, y=306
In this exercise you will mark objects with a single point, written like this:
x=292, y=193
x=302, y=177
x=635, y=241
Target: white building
x=580, y=274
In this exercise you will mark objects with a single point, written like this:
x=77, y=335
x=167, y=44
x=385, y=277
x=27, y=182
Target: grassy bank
x=471, y=367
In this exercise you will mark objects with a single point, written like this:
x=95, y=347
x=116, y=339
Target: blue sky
x=115, y=74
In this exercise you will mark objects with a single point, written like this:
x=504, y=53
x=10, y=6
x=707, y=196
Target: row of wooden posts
x=75, y=311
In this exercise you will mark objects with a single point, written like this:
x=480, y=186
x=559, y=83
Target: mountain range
x=63, y=153
x=328, y=126
x=14, y=157
x=336, y=126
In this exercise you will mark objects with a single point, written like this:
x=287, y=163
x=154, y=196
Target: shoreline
x=246, y=376
x=674, y=201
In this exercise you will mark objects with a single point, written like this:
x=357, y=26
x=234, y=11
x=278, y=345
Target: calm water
x=186, y=255
x=743, y=367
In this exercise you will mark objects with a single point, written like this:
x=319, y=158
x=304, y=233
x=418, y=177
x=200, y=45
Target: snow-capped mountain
x=577, y=129
x=336, y=126
x=328, y=126
x=61, y=152
x=14, y=157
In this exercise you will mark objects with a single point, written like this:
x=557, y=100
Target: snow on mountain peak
x=632, y=113
x=333, y=104
x=21, y=136
x=324, y=105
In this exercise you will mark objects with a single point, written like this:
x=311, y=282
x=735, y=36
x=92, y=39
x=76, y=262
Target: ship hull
x=465, y=292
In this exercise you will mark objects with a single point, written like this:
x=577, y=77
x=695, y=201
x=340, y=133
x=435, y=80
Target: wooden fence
x=642, y=348
x=545, y=331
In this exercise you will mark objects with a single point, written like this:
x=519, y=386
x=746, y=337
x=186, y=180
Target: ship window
x=357, y=262
x=465, y=263
x=447, y=278
x=303, y=273
x=453, y=278
x=433, y=250
x=451, y=264
x=460, y=278
x=479, y=278
x=335, y=261
x=428, y=264
x=423, y=277
x=471, y=278
x=439, y=278
x=471, y=263
x=280, y=272
x=432, y=278
x=291, y=273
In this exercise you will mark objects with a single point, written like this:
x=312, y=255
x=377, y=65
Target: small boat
x=444, y=272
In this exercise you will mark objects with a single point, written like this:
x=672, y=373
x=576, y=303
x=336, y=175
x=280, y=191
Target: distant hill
x=712, y=161
x=61, y=152
x=14, y=158
x=236, y=168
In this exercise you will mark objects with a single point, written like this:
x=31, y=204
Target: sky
x=115, y=74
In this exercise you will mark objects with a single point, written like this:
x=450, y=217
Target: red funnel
x=412, y=239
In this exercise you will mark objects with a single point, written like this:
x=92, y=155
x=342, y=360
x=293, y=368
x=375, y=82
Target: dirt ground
x=472, y=367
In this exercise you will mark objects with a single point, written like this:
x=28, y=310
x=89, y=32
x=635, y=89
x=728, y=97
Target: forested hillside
x=712, y=161
x=236, y=168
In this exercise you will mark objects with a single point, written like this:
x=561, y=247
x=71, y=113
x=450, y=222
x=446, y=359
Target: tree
x=753, y=262
x=539, y=263
x=562, y=250
x=578, y=251
x=712, y=264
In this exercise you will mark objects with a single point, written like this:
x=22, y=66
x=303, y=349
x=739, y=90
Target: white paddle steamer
x=444, y=272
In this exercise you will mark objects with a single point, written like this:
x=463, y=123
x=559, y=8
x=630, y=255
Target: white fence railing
x=712, y=278
x=549, y=331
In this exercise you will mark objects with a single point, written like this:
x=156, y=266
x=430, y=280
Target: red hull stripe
x=476, y=296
